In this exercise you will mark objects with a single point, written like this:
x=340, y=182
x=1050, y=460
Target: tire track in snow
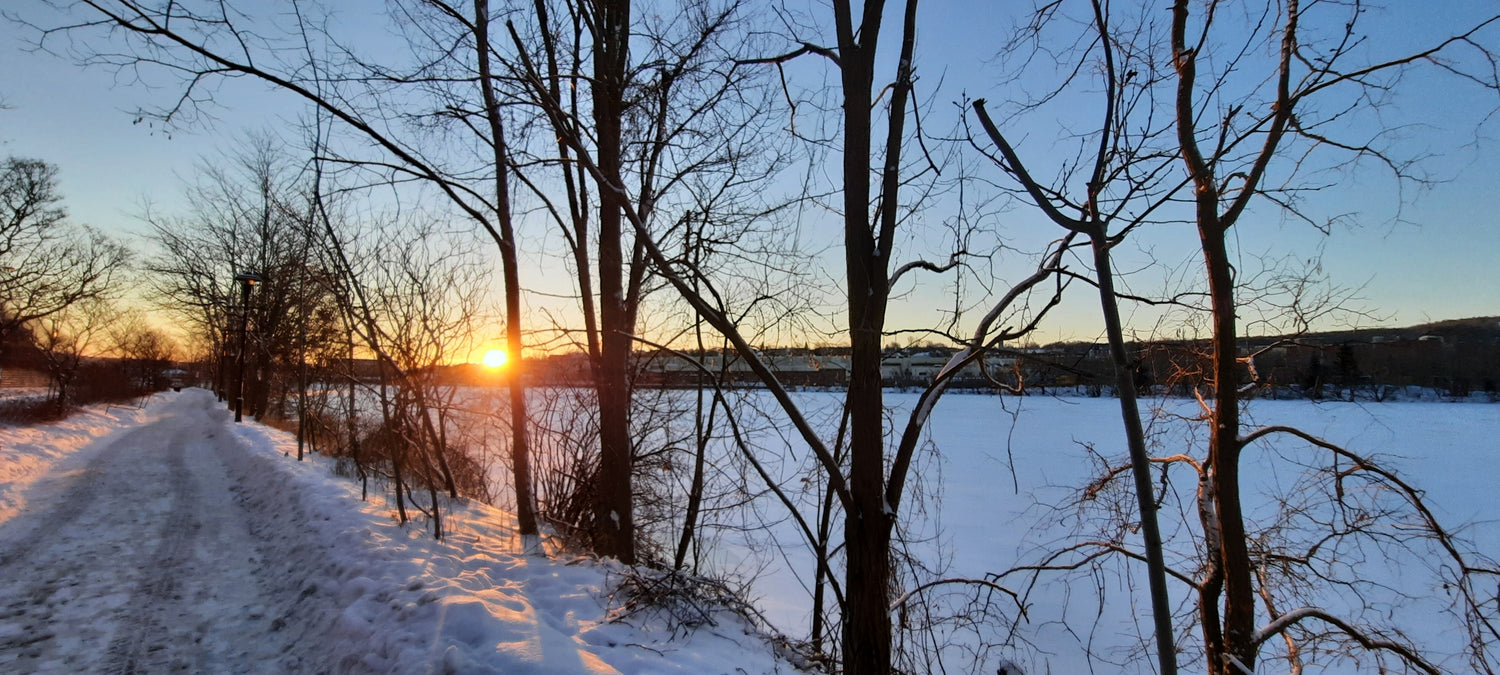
x=144, y=562
x=42, y=567
x=145, y=640
x=68, y=506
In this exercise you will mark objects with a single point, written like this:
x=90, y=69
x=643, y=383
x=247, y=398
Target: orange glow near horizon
x=494, y=358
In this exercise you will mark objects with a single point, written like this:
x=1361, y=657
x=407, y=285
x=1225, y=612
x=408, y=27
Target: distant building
x=12, y=377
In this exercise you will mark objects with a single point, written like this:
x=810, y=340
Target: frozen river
x=1002, y=479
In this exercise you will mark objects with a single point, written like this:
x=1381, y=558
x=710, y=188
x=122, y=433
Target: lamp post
x=247, y=280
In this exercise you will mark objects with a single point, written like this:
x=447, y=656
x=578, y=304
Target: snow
x=169, y=539
x=28, y=453
x=990, y=525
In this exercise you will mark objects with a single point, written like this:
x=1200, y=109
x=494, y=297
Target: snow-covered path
x=168, y=539
x=139, y=560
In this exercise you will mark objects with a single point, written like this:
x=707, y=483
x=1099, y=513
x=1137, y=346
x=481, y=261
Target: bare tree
x=414, y=298
x=250, y=212
x=1126, y=185
x=64, y=338
x=46, y=263
x=1228, y=142
x=868, y=494
x=871, y=492
x=674, y=128
x=146, y=350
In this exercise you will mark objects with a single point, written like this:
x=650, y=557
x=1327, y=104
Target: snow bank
x=28, y=453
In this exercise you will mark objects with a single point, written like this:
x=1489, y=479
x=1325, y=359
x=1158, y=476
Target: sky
x=1431, y=260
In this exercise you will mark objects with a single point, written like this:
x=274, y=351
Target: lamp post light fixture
x=247, y=280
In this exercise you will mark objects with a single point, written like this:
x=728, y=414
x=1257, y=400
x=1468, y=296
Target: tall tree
x=510, y=263
x=1216, y=117
x=414, y=295
x=614, y=513
x=250, y=211
x=1127, y=184
x=1228, y=139
x=668, y=128
x=1248, y=100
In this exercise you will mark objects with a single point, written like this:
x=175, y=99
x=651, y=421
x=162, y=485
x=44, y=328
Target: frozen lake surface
x=1003, y=477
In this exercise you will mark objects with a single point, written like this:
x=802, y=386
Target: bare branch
x=1294, y=617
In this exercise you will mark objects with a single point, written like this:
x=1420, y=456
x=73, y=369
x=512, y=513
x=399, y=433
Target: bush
x=106, y=382
x=28, y=410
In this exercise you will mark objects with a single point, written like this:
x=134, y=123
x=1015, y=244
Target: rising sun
x=494, y=358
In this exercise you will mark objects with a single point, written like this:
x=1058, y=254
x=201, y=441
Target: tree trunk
x=301, y=393
x=614, y=521
x=396, y=445
x=520, y=446
x=1227, y=639
x=701, y=433
x=435, y=434
x=866, y=638
x=1135, y=437
x=1238, y=627
x=437, y=513
x=223, y=352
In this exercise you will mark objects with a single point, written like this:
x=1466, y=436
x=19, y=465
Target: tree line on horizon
x=671, y=157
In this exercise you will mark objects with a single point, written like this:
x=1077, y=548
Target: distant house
x=13, y=377
x=793, y=367
x=905, y=369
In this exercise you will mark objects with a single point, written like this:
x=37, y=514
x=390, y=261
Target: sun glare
x=494, y=358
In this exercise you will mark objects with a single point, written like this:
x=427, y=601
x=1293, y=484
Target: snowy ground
x=167, y=539
x=10, y=393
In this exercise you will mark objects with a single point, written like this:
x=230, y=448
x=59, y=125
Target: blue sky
x=1438, y=261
